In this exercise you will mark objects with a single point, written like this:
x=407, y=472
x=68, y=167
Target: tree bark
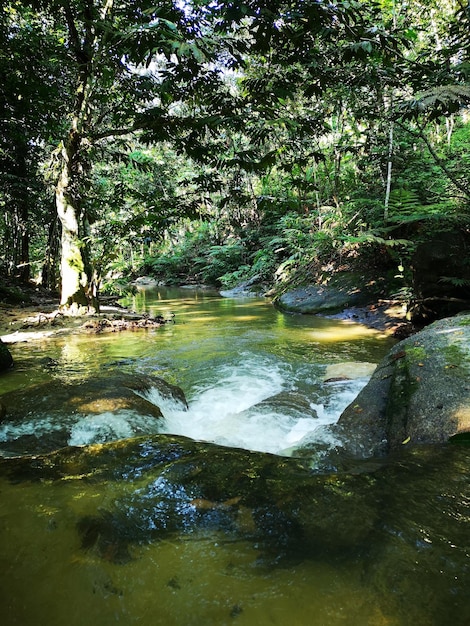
x=16, y=246
x=23, y=219
x=78, y=293
x=388, y=187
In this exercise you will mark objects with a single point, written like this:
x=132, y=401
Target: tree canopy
x=217, y=141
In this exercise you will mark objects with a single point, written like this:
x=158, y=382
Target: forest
x=218, y=142
x=225, y=461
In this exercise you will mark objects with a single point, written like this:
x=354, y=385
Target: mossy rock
x=418, y=394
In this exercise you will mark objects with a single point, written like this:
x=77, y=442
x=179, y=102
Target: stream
x=221, y=511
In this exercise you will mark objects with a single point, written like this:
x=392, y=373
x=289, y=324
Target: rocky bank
x=418, y=394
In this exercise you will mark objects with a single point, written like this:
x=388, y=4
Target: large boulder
x=6, y=360
x=341, y=292
x=418, y=394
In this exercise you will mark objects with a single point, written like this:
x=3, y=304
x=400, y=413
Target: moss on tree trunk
x=78, y=290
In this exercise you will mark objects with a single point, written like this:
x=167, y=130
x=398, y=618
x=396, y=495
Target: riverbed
x=256, y=384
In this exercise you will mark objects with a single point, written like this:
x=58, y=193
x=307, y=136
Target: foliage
x=219, y=142
x=31, y=65
x=196, y=257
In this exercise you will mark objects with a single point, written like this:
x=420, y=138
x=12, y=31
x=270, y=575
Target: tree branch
x=421, y=135
x=114, y=132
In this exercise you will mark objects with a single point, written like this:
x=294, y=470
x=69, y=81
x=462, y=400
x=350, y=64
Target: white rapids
x=235, y=410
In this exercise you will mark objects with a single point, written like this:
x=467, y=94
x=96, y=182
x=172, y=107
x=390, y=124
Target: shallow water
x=230, y=357
x=227, y=355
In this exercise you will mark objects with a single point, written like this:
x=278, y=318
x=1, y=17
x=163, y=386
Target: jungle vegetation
x=215, y=142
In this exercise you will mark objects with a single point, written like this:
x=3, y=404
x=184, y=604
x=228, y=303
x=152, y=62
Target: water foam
x=108, y=426
x=38, y=426
x=230, y=410
x=236, y=405
x=80, y=430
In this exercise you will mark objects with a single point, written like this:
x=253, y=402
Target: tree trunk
x=16, y=245
x=388, y=187
x=78, y=293
x=21, y=200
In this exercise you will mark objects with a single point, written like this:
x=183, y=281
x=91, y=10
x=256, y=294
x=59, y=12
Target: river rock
x=145, y=281
x=52, y=415
x=341, y=292
x=349, y=370
x=419, y=393
x=292, y=402
x=250, y=288
x=6, y=360
x=166, y=485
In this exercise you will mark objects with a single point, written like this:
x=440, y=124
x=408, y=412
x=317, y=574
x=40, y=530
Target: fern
x=405, y=207
x=403, y=202
x=444, y=94
x=455, y=281
x=435, y=102
x=370, y=237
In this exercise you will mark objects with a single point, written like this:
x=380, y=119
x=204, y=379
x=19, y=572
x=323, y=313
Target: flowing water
x=113, y=537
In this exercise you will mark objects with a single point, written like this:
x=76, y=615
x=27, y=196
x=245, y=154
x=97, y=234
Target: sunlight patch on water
x=203, y=318
x=342, y=332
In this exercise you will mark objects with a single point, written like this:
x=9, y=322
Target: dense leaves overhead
x=287, y=129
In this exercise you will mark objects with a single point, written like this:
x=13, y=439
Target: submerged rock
x=171, y=484
x=400, y=527
x=49, y=416
x=419, y=393
x=419, y=558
